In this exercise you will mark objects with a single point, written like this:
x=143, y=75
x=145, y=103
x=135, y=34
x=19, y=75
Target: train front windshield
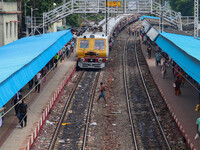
x=99, y=44
x=84, y=44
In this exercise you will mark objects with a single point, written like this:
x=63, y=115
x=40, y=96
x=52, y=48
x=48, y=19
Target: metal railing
x=99, y=6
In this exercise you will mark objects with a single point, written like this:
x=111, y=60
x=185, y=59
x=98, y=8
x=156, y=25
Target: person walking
x=163, y=70
x=158, y=58
x=30, y=84
x=1, y=114
x=102, y=94
x=177, y=86
x=149, y=52
x=37, y=84
x=15, y=100
x=23, y=113
x=56, y=57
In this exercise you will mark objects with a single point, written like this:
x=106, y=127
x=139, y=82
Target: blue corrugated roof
x=151, y=17
x=187, y=43
x=22, y=59
x=184, y=50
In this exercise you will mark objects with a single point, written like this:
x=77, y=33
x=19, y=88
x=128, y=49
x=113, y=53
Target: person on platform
x=30, y=84
x=1, y=114
x=23, y=113
x=56, y=57
x=15, y=100
x=102, y=94
x=198, y=127
x=164, y=70
x=177, y=86
x=149, y=52
x=158, y=58
x=37, y=84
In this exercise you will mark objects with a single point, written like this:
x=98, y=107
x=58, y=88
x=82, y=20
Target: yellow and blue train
x=92, y=49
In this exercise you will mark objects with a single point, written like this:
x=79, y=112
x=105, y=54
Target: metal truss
x=115, y=7
x=168, y=14
x=196, y=18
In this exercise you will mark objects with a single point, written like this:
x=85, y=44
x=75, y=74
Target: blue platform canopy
x=184, y=50
x=151, y=17
x=24, y=58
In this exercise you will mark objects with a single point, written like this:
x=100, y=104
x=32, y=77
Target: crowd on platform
x=178, y=73
x=18, y=101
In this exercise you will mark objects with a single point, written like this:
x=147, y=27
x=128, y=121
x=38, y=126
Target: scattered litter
x=49, y=122
x=79, y=86
x=57, y=122
x=93, y=124
x=119, y=112
x=114, y=124
x=62, y=106
x=43, y=138
x=70, y=111
x=61, y=141
x=63, y=124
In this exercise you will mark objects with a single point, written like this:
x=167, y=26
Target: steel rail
x=55, y=135
x=89, y=111
x=127, y=98
x=149, y=98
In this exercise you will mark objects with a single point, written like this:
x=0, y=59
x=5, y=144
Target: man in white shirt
x=38, y=76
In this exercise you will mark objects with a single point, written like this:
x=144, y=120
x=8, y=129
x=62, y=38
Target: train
x=92, y=47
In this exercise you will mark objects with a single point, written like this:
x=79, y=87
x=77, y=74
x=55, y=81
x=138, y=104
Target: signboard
x=152, y=34
x=146, y=26
x=132, y=5
x=113, y=4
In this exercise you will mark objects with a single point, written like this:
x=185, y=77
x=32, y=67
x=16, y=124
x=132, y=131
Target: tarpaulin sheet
x=184, y=50
x=151, y=17
x=23, y=59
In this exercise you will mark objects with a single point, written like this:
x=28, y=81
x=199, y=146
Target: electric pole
x=196, y=18
x=19, y=17
x=64, y=19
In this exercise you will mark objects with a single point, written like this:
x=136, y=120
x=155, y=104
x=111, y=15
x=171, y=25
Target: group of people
x=135, y=31
x=178, y=72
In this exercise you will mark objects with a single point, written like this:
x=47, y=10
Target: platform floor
x=184, y=105
x=12, y=136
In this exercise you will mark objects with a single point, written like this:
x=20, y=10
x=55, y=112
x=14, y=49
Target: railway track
x=147, y=131
x=71, y=131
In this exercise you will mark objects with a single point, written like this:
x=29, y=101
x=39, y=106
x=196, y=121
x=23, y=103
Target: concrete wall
x=8, y=23
x=9, y=6
x=1, y=31
x=10, y=28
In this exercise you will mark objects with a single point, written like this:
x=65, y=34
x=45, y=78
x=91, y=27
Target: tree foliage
x=186, y=7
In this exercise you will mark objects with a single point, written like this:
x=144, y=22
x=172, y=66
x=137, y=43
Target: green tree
x=186, y=7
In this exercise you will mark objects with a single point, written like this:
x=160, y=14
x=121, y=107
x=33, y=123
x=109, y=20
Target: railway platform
x=182, y=107
x=14, y=137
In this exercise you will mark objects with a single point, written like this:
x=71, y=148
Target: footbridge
x=113, y=7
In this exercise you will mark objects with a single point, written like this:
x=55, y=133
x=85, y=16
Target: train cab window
x=99, y=44
x=84, y=43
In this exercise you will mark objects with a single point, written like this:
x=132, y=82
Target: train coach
x=92, y=49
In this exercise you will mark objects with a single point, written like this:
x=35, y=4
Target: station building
x=8, y=22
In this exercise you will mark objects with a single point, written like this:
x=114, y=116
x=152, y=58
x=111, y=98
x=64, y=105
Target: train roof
x=93, y=35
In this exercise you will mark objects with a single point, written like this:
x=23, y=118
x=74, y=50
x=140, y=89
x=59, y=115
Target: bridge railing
x=96, y=6
x=99, y=6
x=187, y=20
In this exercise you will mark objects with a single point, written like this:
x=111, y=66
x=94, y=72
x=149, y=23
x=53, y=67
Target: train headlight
x=82, y=59
x=100, y=60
